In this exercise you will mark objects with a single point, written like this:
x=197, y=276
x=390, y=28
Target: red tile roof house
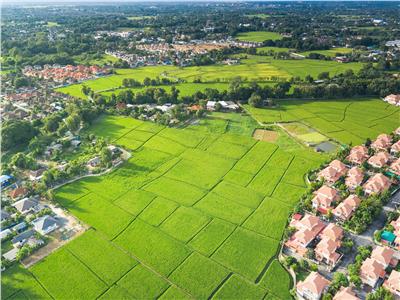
x=382, y=142
x=395, y=167
x=358, y=155
x=379, y=160
x=331, y=240
x=371, y=271
x=308, y=228
x=346, y=209
x=354, y=178
x=313, y=287
x=377, y=184
x=324, y=198
x=385, y=256
x=345, y=293
x=395, y=148
x=393, y=283
x=333, y=171
x=19, y=192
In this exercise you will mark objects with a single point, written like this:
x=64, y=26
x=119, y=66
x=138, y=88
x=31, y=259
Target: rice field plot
x=158, y=211
x=223, y=208
x=141, y=283
x=178, y=191
x=158, y=250
x=241, y=195
x=162, y=144
x=100, y=214
x=203, y=174
x=134, y=201
x=258, y=36
x=255, y=158
x=329, y=52
x=79, y=282
x=184, y=223
x=103, y=258
x=249, y=261
x=238, y=177
x=194, y=274
x=229, y=150
x=211, y=236
x=288, y=193
x=18, y=283
x=277, y=280
x=237, y=287
x=116, y=292
x=269, y=218
x=173, y=293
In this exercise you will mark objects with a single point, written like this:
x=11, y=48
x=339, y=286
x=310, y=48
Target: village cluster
x=65, y=74
x=320, y=233
x=178, y=53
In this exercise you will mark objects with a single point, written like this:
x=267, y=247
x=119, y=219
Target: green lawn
x=258, y=36
x=330, y=52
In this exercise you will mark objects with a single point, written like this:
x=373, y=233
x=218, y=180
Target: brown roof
x=372, y=268
x=383, y=255
x=333, y=232
x=393, y=282
x=345, y=293
x=18, y=192
x=314, y=282
x=379, y=159
x=377, y=184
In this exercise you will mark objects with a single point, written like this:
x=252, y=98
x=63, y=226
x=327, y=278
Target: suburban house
x=395, y=167
x=94, y=162
x=346, y=209
x=393, y=283
x=345, y=293
x=211, y=105
x=44, y=225
x=4, y=215
x=379, y=160
x=392, y=99
x=26, y=205
x=313, y=287
x=358, y=155
x=333, y=171
x=354, y=178
x=397, y=131
x=18, y=192
x=382, y=142
x=36, y=174
x=308, y=228
x=21, y=239
x=395, y=147
x=377, y=184
x=323, y=199
x=385, y=256
x=371, y=272
x=326, y=249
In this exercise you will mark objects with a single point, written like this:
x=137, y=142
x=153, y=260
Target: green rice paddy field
x=260, y=68
x=258, y=36
x=195, y=213
x=346, y=120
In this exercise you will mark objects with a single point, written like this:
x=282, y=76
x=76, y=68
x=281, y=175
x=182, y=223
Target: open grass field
x=344, y=120
x=331, y=52
x=260, y=68
x=195, y=213
x=258, y=36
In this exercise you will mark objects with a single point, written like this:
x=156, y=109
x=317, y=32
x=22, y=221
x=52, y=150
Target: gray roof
x=4, y=215
x=24, y=204
x=11, y=255
x=23, y=236
x=44, y=222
